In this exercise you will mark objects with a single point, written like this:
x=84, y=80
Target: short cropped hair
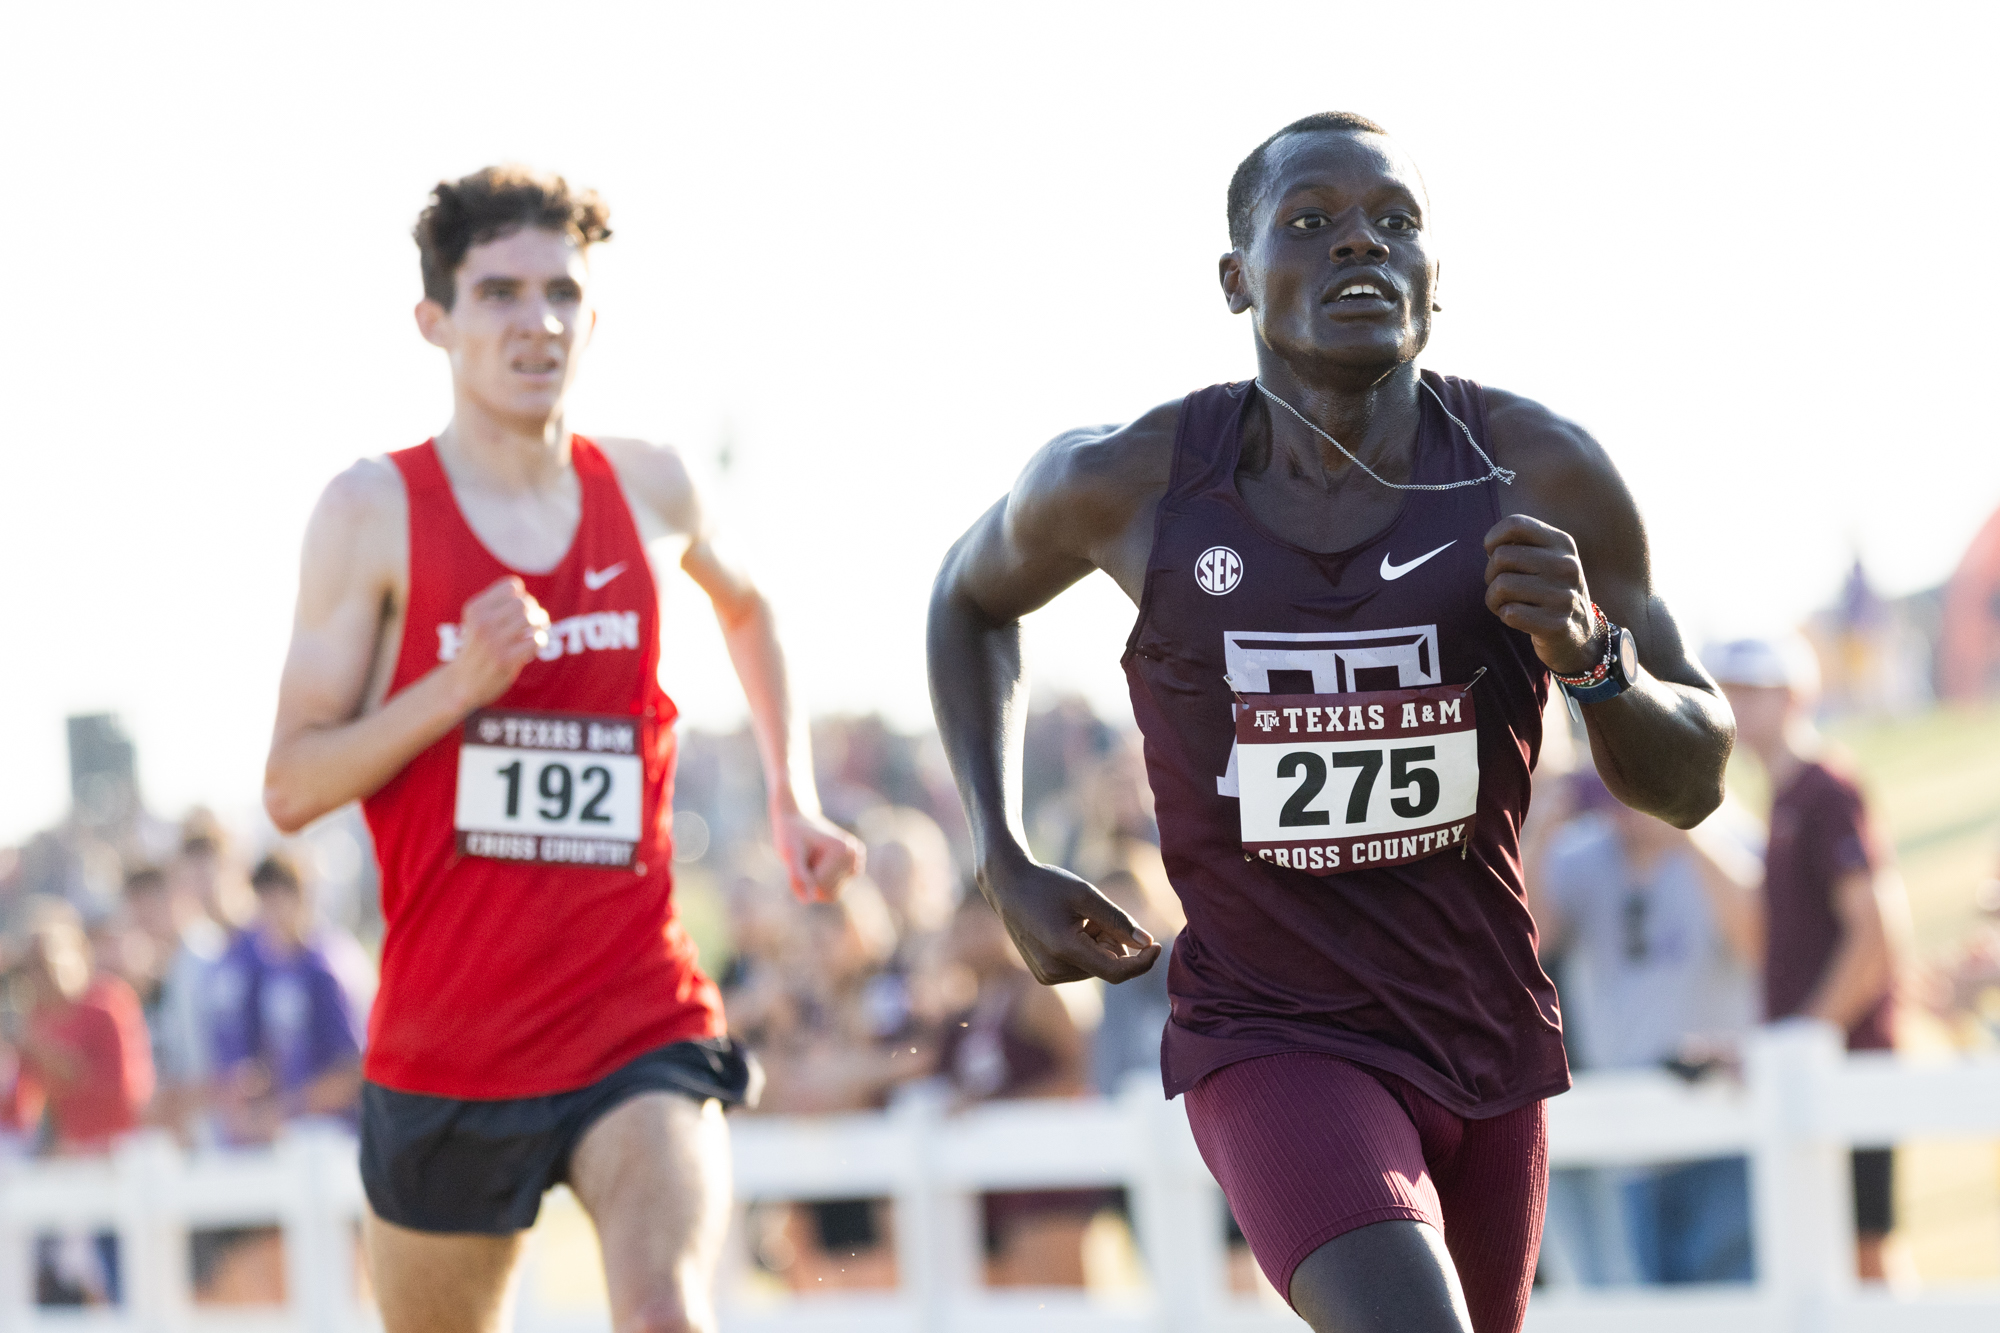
x=1248, y=181
x=277, y=871
x=493, y=202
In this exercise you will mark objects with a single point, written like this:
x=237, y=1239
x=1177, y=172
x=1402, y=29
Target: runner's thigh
x=426, y=1282
x=1308, y=1147
x=653, y=1172
x=1495, y=1190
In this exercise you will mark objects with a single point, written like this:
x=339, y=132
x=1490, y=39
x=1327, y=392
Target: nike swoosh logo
x=1392, y=572
x=594, y=579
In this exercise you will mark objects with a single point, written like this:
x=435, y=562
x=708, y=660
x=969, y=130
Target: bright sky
x=885, y=251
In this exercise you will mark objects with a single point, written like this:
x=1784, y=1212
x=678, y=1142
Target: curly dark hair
x=1249, y=178
x=492, y=202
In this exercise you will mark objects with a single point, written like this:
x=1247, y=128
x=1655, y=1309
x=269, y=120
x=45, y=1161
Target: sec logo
x=1218, y=570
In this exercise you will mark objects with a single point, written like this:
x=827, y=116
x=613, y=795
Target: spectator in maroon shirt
x=1827, y=942
x=83, y=1052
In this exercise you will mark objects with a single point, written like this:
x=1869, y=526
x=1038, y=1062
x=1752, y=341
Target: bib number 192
x=557, y=782
x=1330, y=783
x=556, y=788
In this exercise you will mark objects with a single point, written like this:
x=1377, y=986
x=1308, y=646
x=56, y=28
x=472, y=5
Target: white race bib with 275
x=553, y=788
x=1337, y=782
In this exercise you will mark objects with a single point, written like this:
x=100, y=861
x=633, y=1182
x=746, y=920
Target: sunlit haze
x=867, y=258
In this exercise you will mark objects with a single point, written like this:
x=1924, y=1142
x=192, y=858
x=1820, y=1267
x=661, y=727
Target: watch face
x=1628, y=656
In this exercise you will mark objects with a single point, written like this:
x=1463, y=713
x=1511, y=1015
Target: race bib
x=1336, y=782
x=554, y=788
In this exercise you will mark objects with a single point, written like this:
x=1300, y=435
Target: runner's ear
x=1234, y=289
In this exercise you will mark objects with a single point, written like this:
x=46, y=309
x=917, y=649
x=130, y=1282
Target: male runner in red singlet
x=475, y=656
x=1354, y=580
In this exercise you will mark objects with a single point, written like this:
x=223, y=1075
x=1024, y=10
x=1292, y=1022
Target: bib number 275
x=1335, y=782
x=1298, y=811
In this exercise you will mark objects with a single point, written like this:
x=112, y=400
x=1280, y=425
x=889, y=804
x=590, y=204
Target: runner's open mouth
x=1366, y=284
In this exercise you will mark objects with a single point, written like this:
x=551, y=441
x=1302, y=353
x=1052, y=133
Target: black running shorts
x=441, y=1164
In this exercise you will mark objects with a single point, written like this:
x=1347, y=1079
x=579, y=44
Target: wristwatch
x=1614, y=674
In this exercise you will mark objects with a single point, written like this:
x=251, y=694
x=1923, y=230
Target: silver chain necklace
x=1493, y=470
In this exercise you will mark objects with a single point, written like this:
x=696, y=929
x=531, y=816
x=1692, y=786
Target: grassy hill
x=1935, y=781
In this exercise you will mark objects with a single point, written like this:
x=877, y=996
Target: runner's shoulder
x=656, y=477
x=366, y=489
x=362, y=517
x=1561, y=466
x=1530, y=437
x=1103, y=471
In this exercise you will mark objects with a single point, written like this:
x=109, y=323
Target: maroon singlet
x=1426, y=968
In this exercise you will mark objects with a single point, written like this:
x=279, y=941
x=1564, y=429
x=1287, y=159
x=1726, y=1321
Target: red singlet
x=526, y=858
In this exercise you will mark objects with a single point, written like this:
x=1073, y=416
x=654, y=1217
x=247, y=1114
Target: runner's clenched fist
x=501, y=630
x=819, y=856
x=1535, y=584
x=1064, y=927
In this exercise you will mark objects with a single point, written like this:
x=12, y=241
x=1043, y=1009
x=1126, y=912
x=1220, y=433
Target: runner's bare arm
x=327, y=748
x=1863, y=965
x=818, y=855
x=1661, y=745
x=1084, y=502
x=1732, y=878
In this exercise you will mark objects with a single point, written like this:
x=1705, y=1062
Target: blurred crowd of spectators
x=154, y=977
x=909, y=986
x=202, y=994
x=169, y=976
x=1669, y=947
x=161, y=976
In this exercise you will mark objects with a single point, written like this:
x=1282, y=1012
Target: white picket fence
x=1802, y=1104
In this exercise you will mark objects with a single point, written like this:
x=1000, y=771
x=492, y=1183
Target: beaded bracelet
x=1599, y=623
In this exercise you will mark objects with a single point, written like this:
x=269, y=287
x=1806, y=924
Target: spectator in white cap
x=1827, y=952
x=1785, y=662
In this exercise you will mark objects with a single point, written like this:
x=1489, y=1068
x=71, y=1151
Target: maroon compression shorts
x=1308, y=1147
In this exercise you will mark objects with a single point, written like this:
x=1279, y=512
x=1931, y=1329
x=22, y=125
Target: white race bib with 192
x=552, y=788
x=1337, y=782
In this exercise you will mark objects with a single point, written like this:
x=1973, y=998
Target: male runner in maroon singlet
x=475, y=657
x=1354, y=580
